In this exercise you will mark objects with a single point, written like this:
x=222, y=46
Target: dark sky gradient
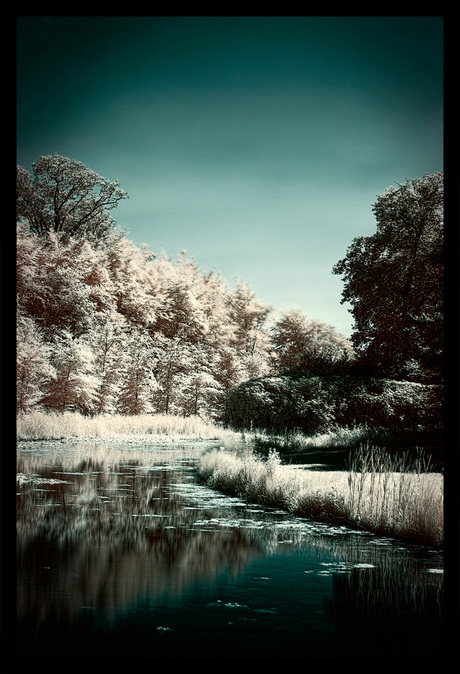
x=256, y=144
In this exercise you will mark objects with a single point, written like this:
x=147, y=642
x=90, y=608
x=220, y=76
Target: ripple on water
x=227, y=604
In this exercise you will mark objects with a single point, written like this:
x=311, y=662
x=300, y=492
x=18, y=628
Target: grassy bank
x=350, y=437
x=377, y=493
x=68, y=425
x=374, y=494
x=332, y=447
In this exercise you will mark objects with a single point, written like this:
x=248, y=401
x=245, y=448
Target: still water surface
x=121, y=552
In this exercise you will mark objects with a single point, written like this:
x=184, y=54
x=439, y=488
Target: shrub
x=314, y=404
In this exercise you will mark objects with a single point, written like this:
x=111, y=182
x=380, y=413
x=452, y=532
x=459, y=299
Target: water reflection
x=99, y=535
x=108, y=537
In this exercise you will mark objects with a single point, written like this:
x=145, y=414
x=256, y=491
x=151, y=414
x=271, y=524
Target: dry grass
x=389, y=495
x=376, y=498
x=336, y=437
x=66, y=425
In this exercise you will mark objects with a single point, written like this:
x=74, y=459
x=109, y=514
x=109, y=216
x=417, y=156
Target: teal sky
x=256, y=144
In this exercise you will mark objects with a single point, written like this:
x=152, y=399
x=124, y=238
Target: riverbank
x=397, y=504
x=142, y=427
x=383, y=499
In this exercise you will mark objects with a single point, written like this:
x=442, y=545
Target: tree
x=136, y=283
x=125, y=331
x=394, y=283
x=56, y=285
x=248, y=315
x=75, y=385
x=66, y=197
x=169, y=370
x=198, y=389
x=108, y=343
x=33, y=367
x=138, y=381
x=301, y=343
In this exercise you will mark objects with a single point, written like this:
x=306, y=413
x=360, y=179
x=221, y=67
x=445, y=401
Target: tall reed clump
x=314, y=494
x=372, y=495
x=62, y=425
x=391, y=496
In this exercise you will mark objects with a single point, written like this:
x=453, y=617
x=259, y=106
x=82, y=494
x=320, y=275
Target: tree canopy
x=394, y=283
x=66, y=197
x=302, y=343
x=115, y=329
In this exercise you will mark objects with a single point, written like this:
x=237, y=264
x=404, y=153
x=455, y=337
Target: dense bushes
x=312, y=403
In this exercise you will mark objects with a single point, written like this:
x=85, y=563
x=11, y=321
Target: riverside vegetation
x=379, y=492
x=40, y=425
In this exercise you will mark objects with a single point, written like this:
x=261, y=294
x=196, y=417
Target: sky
x=256, y=144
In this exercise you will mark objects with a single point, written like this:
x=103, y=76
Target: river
x=122, y=553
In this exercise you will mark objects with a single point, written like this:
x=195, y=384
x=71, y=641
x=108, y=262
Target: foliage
x=33, y=367
x=314, y=404
x=66, y=197
x=112, y=328
x=115, y=329
x=75, y=384
x=394, y=283
x=301, y=343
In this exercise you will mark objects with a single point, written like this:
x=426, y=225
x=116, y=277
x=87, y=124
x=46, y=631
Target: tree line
x=106, y=326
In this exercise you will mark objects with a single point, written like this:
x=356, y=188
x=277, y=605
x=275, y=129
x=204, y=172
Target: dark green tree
x=66, y=197
x=393, y=281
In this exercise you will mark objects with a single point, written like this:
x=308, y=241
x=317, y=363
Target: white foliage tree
x=249, y=316
x=56, y=284
x=199, y=389
x=136, y=370
x=33, y=367
x=108, y=344
x=131, y=332
x=75, y=385
x=170, y=366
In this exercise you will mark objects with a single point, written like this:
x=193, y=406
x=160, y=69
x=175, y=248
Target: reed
x=337, y=437
x=377, y=493
x=396, y=496
x=66, y=425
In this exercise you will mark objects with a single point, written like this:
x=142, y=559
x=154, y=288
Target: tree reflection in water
x=102, y=529
x=99, y=534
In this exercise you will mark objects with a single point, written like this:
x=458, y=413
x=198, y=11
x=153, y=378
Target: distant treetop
x=66, y=197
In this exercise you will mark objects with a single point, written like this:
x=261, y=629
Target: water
x=121, y=553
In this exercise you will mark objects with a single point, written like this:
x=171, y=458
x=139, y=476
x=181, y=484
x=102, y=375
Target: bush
x=313, y=404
